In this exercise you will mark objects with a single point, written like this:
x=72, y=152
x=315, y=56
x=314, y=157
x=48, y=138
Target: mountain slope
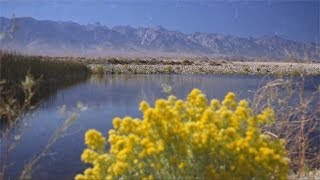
x=56, y=37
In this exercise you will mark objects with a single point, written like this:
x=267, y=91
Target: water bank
x=208, y=67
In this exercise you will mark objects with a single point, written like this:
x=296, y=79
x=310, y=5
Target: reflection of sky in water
x=107, y=97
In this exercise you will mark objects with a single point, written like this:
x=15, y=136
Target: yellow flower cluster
x=191, y=139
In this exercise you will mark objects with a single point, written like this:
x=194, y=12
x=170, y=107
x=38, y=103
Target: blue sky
x=296, y=20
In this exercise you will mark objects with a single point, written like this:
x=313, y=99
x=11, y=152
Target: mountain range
x=28, y=35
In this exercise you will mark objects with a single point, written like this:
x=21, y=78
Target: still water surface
x=105, y=98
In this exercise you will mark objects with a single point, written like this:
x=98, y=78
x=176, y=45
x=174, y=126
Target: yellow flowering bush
x=191, y=139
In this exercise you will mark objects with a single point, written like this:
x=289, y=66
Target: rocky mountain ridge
x=28, y=35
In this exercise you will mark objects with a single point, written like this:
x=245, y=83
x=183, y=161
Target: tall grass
x=52, y=74
x=15, y=67
x=297, y=120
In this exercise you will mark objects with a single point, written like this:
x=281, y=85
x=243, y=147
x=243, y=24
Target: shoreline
x=201, y=65
x=207, y=67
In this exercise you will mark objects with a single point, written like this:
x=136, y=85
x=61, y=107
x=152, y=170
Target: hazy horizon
x=292, y=20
